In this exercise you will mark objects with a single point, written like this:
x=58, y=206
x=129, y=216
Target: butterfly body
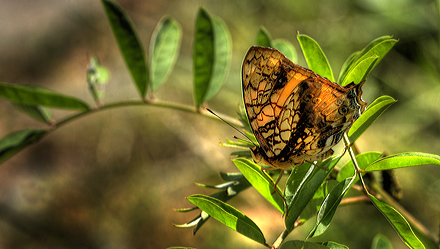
x=295, y=114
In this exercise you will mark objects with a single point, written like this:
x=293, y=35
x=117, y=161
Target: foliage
x=310, y=191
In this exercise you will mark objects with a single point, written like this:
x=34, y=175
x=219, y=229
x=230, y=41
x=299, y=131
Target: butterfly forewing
x=295, y=114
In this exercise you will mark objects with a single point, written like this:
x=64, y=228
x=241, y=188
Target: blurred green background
x=112, y=179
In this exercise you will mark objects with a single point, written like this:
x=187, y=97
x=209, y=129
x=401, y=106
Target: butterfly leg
x=275, y=186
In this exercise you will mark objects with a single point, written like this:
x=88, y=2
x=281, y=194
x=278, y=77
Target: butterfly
x=295, y=114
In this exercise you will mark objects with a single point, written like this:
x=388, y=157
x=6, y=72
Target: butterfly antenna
x=235, y=128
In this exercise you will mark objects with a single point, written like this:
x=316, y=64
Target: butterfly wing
x=295, y=114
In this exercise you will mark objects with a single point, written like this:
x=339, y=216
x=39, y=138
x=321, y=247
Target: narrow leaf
x=29, y=95
x=229, y=216
x=378, y=47
x=373, y=111
x=401, y=160
x=203, y=55
x=260, y=182
x=14, y=142
x=329, y=206
x=164, y=49
x=286, y=48
x=263, y=38
x=359, y=73
x=398, y=222
x=363, y=161
x=222, y=57
x=39, y=113
x=304, y=192
x=315, y=57
x=129, y=44
x=296, y=244
x=347, y=63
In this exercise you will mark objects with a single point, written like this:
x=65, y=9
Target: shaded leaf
x=39, y=113
x=301, y=189
x=381, y=242
x=286, y=48
x=373, y=111
x=334, y=245
x=263, y=38
x=329, y=206
x=14, y=142
x=129, y=44
x=229, y=216
x=398, y=222
x=30, y=95
x=164, y=49
x=296, y=244
x=401, y=160
x=203, y=55
x=315, y=57
x=360, y=71
x=222, y=57
x=363, y=160
x=260, y=182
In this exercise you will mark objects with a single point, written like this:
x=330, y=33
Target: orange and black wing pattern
x=295, y=114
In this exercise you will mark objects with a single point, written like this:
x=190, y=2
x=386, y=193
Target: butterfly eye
x=343, y=110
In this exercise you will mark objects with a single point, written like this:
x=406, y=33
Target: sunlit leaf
x=14, y=142
x=367, y=118
x=378, y=47
x=360, y=71
x=229, y=216
x=39, y=96
x=398, y=222
x=401, y=160
x=260, y=182
x=203, y=55
x=164, y=49
x=363, y=160
x=129, y=44
x=315, y=57
x=263, y=38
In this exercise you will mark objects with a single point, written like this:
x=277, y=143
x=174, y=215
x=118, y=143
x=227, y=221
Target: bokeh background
x=112, y=179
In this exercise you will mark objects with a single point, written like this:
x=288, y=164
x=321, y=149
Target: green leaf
x=378, y=47
x=263, y=38
x=359, y=73
x=347, y=63
x=164, y=49
x=403, y=160
x=329, y=206
x=296, y=244
x=129, y=44
x=286, y=48
x=14, y=142
x=39, y=113
x=30, y=95
x=315, y=57
x=398, y=222
x=334, y=245
x=222, y=57
x=373, y=111
x=229, y=216
x=180, y=247
x=260, y=182
x=363, y=161
x=381, y=242
x=203, y=55
x=302, y=185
